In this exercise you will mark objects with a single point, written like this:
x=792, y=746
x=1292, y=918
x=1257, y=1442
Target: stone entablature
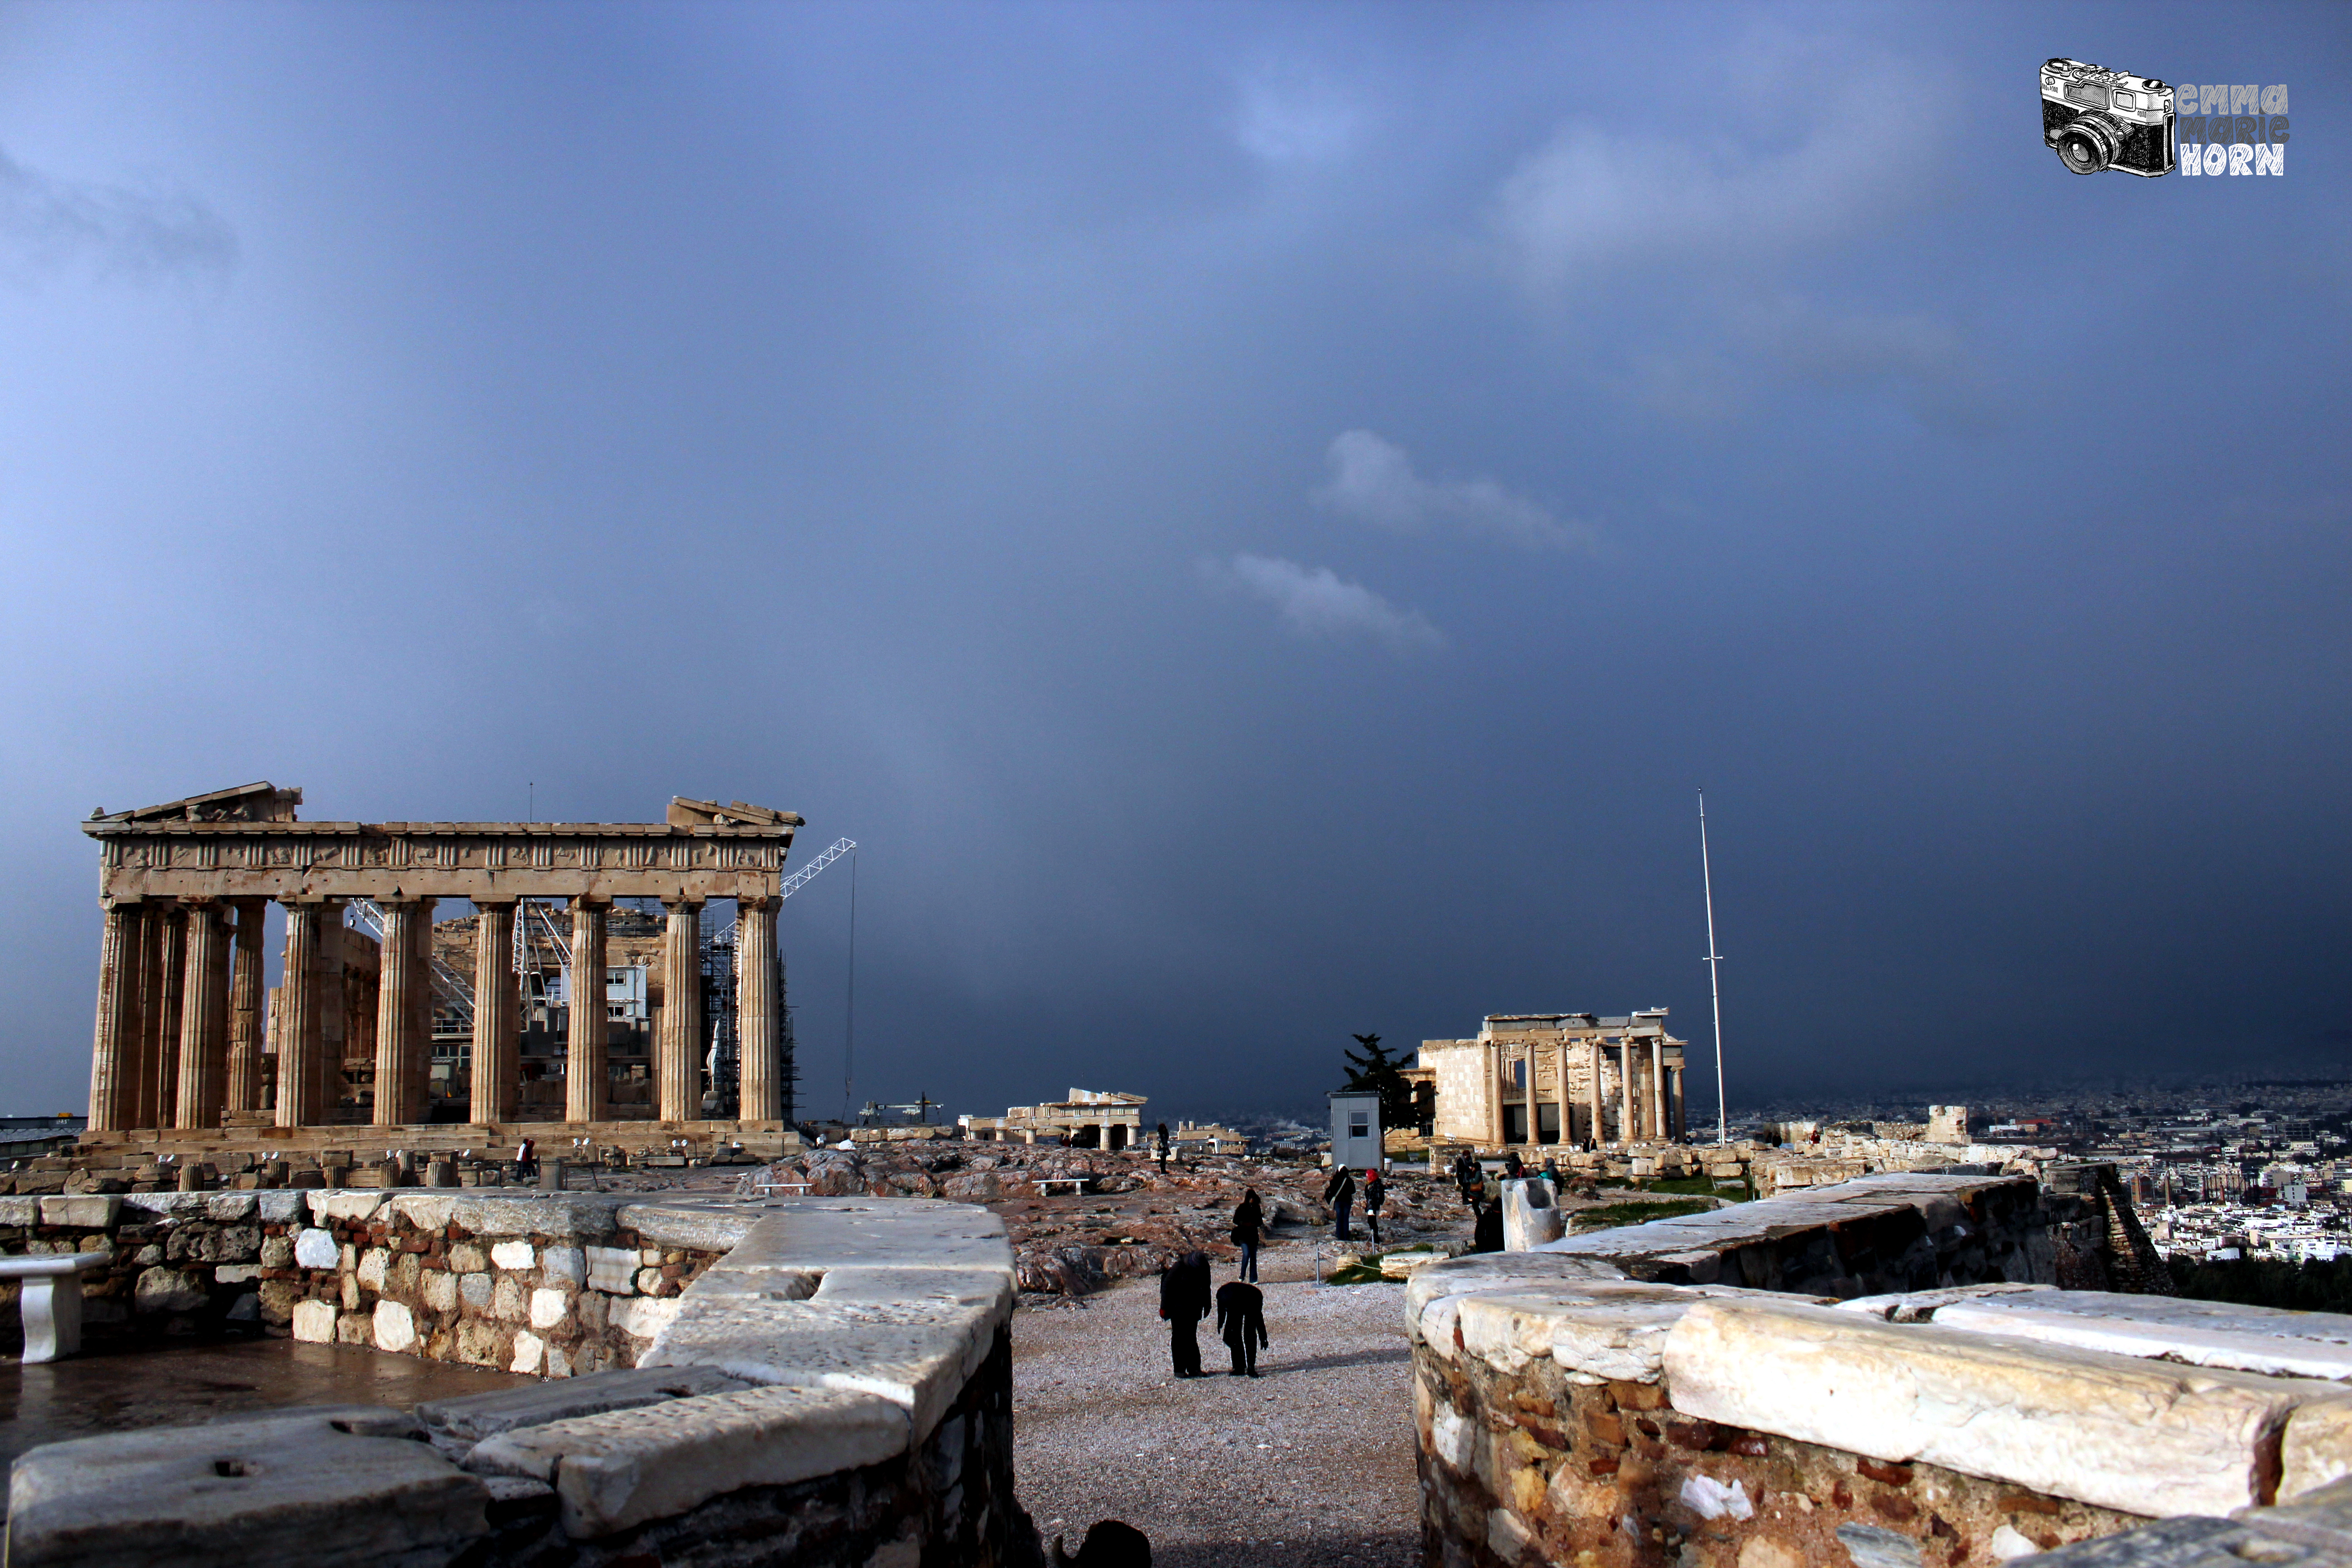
x=836, y=1390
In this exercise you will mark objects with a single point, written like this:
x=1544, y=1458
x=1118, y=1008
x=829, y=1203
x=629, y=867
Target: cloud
x=1594, y=201
x=1315, y=604
x=1926, y=360
x=1372, y=481
x=46, y=223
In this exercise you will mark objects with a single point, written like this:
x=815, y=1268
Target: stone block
x=316, y=1249
x=535, y=1213
x=549, y=1308
x=529, y=1351
x=612, y=1269
x=2145, y=1437
x=395, y=1327
x=439, y=1291
x=1531, y=1217
x=643, y=1317
x=162, y=1289
x=278, y=1252
x=474, y=1291
x=482, y=1415
x=1921, y=1306
x=515, y=1256
x=468, y=1257
x=2202, y=1334
x=699, y=1229
x=88, y=1210
x=426, y=1210
x=621, y=1470
x=481, y=1345
x=825, y=1234
x=278, y=1300
x=918, y=1355
x=228, y=1207
x=20, y=1211
x=285, y=1486
x=314, y=1323
x=236, y=1273
x=564, y=1263
x=374, y=1264
x=279, y=1206
x=506, y=1300
x=344, y=1204
x=354, y=1328
x=2316, y=1449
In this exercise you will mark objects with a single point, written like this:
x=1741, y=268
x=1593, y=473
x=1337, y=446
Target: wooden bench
x=50, y=1301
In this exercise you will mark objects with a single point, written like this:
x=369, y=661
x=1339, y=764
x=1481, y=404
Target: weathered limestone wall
x=835, y=1391
x=557, y=1285
x=1905, y=1391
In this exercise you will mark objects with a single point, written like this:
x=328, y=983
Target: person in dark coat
x=1249, y=1229
x=1376, y=1192
x=1468, y=1177
x=1184, y=1301
x=1160, y=1147
x=1241, y=1323
x=1551, y=1173
x=1111, y=1543
x=1340, y=1194
x=1488, y=1236
x=1514, y=1169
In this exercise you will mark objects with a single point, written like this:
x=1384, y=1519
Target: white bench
x=795, y=1189
x=50, y=1301
x=1071, y=1186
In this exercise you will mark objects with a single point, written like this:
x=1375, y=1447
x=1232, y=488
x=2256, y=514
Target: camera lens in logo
x=2089, y=142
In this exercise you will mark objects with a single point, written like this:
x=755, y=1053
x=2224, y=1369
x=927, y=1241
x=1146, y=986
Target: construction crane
x=800, y=879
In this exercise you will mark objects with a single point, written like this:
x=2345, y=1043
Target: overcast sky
x=1257, y=519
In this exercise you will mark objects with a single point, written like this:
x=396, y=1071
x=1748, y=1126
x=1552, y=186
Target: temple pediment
x=262, y=802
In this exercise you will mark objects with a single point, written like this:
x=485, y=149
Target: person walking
x=1241, y=1323
x=1340, y=1194
x=1249, y=1228
x=1551, y=1173
x=1160, y=1147
x=1184, y=1301
x=1375, y=1192
x=526, y=1163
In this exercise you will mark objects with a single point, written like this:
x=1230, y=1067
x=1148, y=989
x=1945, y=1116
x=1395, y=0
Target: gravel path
x=1314, y=1458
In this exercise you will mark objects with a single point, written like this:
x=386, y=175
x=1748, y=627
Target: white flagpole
x=1715, y=991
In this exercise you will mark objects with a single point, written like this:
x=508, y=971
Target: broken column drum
x=178, y=1038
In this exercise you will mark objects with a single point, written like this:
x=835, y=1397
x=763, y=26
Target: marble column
x=498, y=1015
x=1682, y=1109
x=328, y=963
x=1658, y=1119
x=1627, y=1123
x=245, y=1003
x=203, y=1018
x=140, y=1092
x=395, y=1016
x=1594, y=1045
x=760, y=1089
x=678, y=1048
x=298, y=1029
x=586, y=1086
x=172, y=974
x=114, y=1050
x=1534, y=1129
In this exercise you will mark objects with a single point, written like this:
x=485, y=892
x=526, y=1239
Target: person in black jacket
x=1376, y=1192
x=1249, y=1229
x=1340, y=1194
x=1184, y=1301
x=1468, y=1177
x=1241, y=1323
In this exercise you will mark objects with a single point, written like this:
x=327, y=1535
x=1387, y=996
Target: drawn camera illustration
x=2096, y=119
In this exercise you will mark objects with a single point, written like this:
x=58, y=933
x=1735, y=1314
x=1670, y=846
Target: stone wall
x=556, y=1284
x=834, y=1392
x=1633, y=1398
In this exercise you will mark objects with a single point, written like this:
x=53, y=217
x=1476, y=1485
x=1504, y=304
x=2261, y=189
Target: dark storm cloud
x=1254, y=518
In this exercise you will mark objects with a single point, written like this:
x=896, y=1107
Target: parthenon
x=185, y=887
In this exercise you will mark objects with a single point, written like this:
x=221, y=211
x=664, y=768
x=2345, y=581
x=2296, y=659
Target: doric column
x=1658, y=1089
x=297, y=1002
x=174, y=985
x=679, y=1046
x=114, y=1050
x=1682, y=1109
x=498, y=1014
x=1594, y=1044
x=1534, y=1132
x=244, y=1000
x=325, y=1084
x=395, y=1016
x=138, y=1094
x=584, y=1073
x=760, y=1090
x=1626, y=1124
x=203, y=1018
